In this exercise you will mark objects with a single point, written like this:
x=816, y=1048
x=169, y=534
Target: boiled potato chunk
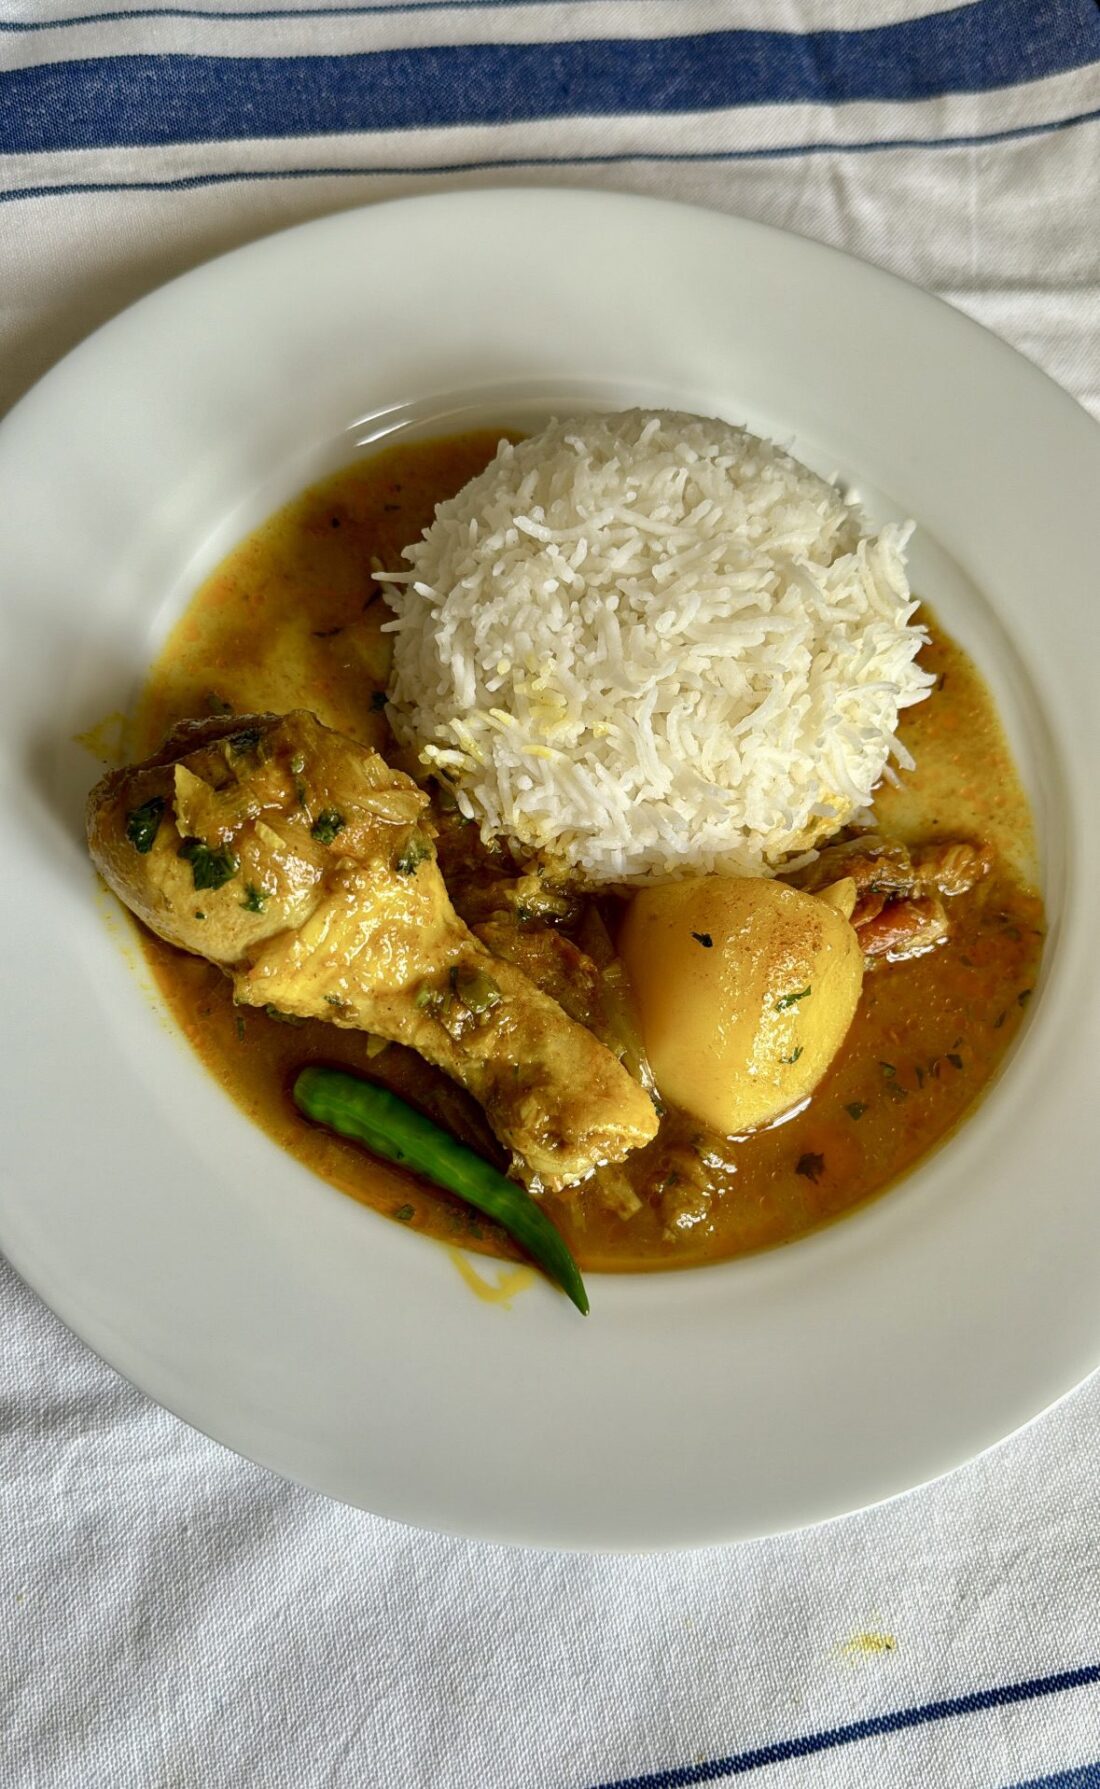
x=745, y=990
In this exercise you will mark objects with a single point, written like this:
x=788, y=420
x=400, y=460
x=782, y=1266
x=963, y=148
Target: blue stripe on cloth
x=1086, y=1776
x=684, y=1776
x=384, y=7
x=155, y=100
x=188, y=182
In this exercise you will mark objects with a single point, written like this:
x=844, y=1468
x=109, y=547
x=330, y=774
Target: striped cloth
x=175, y=1617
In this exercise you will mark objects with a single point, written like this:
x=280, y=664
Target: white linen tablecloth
x=173, y=1617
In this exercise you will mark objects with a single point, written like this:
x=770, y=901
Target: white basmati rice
x=651, y=645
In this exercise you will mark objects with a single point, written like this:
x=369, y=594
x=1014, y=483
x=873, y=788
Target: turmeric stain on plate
x=108, y=740
x=499, y=1288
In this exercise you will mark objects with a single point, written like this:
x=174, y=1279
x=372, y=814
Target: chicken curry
x=364, y=924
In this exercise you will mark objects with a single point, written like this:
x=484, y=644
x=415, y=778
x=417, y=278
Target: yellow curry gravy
x=293, y=619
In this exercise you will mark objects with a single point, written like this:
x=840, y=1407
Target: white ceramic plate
x=288, y=1321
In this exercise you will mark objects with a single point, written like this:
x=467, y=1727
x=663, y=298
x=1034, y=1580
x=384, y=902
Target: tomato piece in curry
x=293, y=619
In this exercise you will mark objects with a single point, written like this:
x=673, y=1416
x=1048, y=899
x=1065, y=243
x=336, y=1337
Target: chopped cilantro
x=327, y=824
x=856, y=1108
x=954, y=1059
x=209, y=869
x=404, y=1214
x=298, y=763
x=786, y=1001
x=142, y=824
x=477, y=991
x=795, y=1054
x=810, y=1166
x=273, y=1012
x=1024, y=996
x=255, y=900
x=240, y=1027
x=888, y=1068
x=413, y=854
x=705, y=939
x=378, y=701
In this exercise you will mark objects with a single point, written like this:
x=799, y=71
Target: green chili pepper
x=390, y=1128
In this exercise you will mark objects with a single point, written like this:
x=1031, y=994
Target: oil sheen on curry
x=931, y=908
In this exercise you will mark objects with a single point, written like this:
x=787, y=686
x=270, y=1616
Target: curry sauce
x=293, y=619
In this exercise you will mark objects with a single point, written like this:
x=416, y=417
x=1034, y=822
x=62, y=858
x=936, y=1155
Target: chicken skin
x=305, y=867
x=899, y=910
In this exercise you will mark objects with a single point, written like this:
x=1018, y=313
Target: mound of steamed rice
x=653, y=645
